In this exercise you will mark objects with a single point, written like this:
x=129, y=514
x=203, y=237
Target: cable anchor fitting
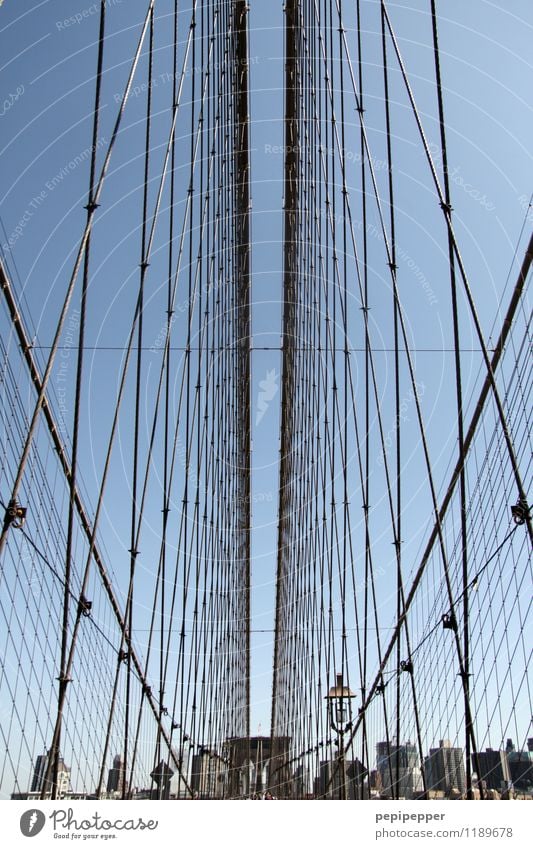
x=15, y=514
x=520, y=511
x=406, y=666
x=464, y=676
x=449, y=622
x=84, y=606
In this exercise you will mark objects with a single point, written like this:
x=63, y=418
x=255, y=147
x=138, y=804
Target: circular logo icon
x=32, y=822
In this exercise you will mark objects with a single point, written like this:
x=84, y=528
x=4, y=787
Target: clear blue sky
x=47, y=79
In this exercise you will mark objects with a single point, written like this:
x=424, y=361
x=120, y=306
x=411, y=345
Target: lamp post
x=338, y=700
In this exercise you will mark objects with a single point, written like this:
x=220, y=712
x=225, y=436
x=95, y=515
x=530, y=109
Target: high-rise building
x=445, y=770
x=116, y=776
x=328, y=782
x=39, y=773
x=209, y=775
x=323, y=783
x=399, y=768
x=301, y=783
x=257, y=764
x=520, y=766
x=494, y=769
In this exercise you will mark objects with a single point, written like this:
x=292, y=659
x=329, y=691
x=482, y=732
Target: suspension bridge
x=133, y=426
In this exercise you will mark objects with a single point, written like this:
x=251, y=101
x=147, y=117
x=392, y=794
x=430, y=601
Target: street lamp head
x=337, y=699
x=339, y=691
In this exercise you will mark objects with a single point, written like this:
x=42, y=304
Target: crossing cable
x=328, y=428
x=365, y=308
x=398, y=531
x=61, y=580
x=372, y=372
x=327, y=335
x=395, y=673
x=460, y=417
x=372, y=172
x=137, y=308
x=378, y=414
x=134, y=518
x=202, y=347
x=161, y=576
x=54, y=431
x=469, y=437
x=408, y=355
x=367, y=346
x=122, y=383
x=77, y=264
x=398, y=423
x=460, y=265
x=93, y=543
x=290, y=206
x=473, y=584
x=192, y=300
x=53, y=761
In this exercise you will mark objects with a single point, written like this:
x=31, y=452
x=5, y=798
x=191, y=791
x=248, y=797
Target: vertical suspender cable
x=91, y=206
x=470, y=744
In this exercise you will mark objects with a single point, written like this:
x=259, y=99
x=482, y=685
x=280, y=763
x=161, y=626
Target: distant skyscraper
x=63, y=776
x=209, y=775
x=520, y=766
x=327, y=784
x=445, y=770
x=257, y=764
x=115, y=777
x=323, y=784
x=301, y=783
x=494, y=769
x=399, y=769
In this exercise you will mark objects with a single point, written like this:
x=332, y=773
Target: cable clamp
x=84, y=606
x=520, y=512
x=464, y=675
x=449, y=622
x=15, y=514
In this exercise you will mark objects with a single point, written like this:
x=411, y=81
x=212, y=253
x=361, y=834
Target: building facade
x=39, y=775
x=115, y=777
x=521, y=766
x=327, y=784
x=494, y=769
x=399, y=769
x=445, y=770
